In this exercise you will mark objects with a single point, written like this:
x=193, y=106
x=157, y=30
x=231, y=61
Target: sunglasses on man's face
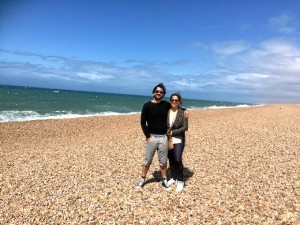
x=157, y=91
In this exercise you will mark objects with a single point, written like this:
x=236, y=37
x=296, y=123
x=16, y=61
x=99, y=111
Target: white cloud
x=284, y=23
x=95, y=77
x=191, y=83
x=275, y=56
x=268, y=71
x=184, y=83
x=248, y=76
x=279, y=46
x=230, y=47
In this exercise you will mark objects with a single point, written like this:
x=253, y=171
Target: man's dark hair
x=160, y=85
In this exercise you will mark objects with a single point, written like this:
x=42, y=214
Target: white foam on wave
x=223, y=107
x=11, y=116
x=6, y=116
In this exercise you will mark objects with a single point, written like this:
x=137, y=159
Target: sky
x=225, y=50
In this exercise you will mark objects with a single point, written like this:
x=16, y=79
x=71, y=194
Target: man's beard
x=158, y=98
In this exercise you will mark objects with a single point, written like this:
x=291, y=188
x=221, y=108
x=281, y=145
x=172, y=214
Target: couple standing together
x=161, y=120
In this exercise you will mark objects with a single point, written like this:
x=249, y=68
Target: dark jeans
x=175, y=161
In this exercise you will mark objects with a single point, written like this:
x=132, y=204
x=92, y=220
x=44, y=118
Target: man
x=154, y=125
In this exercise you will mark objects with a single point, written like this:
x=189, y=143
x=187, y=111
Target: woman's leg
x=172, y=164
x=177, y=160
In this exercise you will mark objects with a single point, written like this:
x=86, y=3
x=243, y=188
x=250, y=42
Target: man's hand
x=186, y=114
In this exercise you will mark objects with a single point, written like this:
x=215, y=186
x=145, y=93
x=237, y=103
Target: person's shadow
x=187, y=174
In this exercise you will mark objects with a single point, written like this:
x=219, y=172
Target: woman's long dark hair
x=178, y=96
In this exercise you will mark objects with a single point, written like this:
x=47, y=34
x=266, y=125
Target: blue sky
x=230, y=50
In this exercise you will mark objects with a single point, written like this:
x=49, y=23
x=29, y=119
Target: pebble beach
x=241, y=166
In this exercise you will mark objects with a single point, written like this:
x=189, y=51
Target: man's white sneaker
x=180, y=185
x=172, y=181
x=141, y=183
x=166, y=185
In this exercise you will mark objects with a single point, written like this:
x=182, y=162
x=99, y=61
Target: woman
x=177, y=125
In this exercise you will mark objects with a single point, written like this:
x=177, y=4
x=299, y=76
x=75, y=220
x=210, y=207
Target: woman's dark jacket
x=180, y=125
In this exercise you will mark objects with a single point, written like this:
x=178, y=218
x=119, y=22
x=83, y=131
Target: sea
x=31, y=103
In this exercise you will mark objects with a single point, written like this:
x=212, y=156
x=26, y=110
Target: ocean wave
x=222, y=107
x=13, y=116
